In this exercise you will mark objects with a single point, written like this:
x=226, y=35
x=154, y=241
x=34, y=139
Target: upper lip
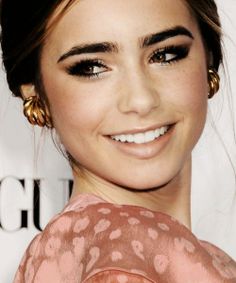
x=137, y=130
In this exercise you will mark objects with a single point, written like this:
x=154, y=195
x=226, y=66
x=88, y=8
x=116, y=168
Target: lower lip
x=145, y=150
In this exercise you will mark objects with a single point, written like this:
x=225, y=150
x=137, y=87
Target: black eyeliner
x=181, y=52
x=83, y=68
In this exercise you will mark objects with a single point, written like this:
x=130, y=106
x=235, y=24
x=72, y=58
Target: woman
x=125, y=84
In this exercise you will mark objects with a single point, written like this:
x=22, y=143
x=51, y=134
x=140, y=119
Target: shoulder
x=24, y=272
x=90, y=241
x=59, y=248
x=222, y=262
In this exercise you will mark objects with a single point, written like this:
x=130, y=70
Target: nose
x=138, y=94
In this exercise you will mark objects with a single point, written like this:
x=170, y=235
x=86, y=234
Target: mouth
x=142, y=137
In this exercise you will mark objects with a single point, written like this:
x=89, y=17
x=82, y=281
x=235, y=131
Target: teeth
x=162, y=131
x=130, y=138
x=141, y=138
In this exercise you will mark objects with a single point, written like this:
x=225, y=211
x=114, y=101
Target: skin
x=130, y=94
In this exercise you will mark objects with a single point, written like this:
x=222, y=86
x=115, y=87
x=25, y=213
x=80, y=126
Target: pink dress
x=96, y=241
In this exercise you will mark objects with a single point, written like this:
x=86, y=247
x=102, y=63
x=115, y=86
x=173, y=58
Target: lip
x=146, y=150
x=137, y=130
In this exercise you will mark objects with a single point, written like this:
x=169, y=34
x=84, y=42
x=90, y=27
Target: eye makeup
x=87, y=68
x=169, y=54
x=93, y=68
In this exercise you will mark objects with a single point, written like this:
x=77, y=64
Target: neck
x=172, y=199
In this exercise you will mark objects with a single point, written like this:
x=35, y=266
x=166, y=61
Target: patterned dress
x=96, y=241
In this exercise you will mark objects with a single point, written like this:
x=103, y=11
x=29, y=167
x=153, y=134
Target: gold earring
x=213, y=82
x=36, y=113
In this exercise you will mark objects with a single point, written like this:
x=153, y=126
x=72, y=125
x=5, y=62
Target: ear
x=28, y=90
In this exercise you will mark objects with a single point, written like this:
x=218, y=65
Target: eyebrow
x=110, y=47
x=102, y=47
x=161, y=36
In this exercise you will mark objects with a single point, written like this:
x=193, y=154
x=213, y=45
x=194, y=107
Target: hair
x=25, y=25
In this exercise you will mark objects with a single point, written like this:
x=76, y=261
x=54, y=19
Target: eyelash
x=179, y=52
x=85, y=68
x=79, y=69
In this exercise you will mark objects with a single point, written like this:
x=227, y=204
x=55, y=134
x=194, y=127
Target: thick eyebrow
x=109, y=47
x=161, y=36
x=102, y=47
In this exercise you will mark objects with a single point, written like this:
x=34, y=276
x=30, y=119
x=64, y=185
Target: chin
x=145, y=184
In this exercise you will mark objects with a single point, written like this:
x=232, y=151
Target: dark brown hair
x=25, y=25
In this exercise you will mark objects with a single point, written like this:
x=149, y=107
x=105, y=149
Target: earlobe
x=213, y=82
x=34, y=107
x=27, y=90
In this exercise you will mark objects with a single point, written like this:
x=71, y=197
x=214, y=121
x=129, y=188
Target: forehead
x=102, y=20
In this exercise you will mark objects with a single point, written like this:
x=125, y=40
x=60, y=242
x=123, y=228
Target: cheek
x=187, y=98
x=198, y=96
x=193, y=105
x=74, y=109
x=190, y=92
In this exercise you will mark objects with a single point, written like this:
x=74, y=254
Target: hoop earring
x=213, y=82
x=35, y=112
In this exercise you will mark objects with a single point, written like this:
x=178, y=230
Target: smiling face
x=127, y=86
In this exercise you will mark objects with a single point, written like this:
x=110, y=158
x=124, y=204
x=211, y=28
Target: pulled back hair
x=25, y=26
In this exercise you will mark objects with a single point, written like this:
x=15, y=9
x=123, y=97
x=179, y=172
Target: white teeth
x=141, y=138
x=130, y=138
x=162, y=131
x=157, y=133
x=122, y=138
x=150, y=136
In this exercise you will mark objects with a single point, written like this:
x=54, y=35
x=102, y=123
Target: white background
x=26, y=153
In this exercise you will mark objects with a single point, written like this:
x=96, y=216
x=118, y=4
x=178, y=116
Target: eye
x=169, y=54
x=87, y=68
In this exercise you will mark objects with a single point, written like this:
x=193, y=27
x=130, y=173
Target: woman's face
x=127, y=87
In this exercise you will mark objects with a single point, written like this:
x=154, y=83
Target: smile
x=141, y=138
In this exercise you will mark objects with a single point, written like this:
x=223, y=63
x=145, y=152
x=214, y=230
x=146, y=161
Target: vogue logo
x=21, y=203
